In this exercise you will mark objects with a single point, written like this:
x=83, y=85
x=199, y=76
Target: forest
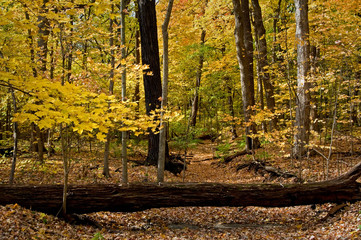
x=180, y=119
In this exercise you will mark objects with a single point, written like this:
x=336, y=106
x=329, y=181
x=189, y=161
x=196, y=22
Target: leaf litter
x=300, y=222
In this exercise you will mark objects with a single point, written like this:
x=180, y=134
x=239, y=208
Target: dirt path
x=205, y=167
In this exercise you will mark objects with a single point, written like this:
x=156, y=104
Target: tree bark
x=262, y=60
x=303, y=85
x=151, y=76
x=244, y=45
x=31, y=44
x=231, y=109
x=136, y=97
x=106, y=172
x=15, y=136
x=40, y=144
x=43, y=31
x=138, y=197
x=124, y=92
x=276, y=18
x=163, y=122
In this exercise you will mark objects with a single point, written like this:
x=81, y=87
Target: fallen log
x=137, y=197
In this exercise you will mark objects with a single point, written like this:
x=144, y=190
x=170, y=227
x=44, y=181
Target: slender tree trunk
x=106, y=155
x=32, y=138
x=70, y=49
x=163, y=122
x=70, y=53
x=49, y=143
x=111, y=87
x=43, y=33
x=259, y=80
x=52, y=62
x=262, y=66
x=62, y=50
x=231, y=111
x=31, y=45
x=65, y=148
x=195, y=103
x=150, y=57
x=15, y=137
x=136, y=97
x=303, y=85
x=124, y=89
x=85, y=55
x=275, y=21
x=244, y=45
x=314, y=124
x=40, y=144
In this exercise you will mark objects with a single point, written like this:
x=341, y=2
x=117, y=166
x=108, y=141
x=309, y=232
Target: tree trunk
x=43, y=31
x=163, y=122
x=70, y=49
x=262, y=66
x=231, y=109
x=32, y=147
x=124, y=92
x=276, y=45
x=111, y=88
x=136, y=97
x=195, y=104
x=65, y=156
x=40, y=144
x=303, y=86
x=31, y=44
x=244, y=45
x=151, y=76
x=138, y=197
x=15, y=136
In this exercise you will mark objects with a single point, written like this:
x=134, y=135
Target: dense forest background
x=71, y=76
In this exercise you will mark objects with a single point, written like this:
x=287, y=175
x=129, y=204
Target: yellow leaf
x=101, y=137
x=56, y=30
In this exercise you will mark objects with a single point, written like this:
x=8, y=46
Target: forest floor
x=300, y=222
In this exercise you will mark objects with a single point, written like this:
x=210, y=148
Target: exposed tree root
x=261, y=168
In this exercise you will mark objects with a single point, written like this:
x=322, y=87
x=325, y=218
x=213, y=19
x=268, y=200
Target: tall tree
x=244, y=45
x=151, y=76
x=124, y=92
x=43, y=32
x=303, y=85
x=15, y=136
x=276, y=17
x=111, y=89
x=136, y=96
x=163, y=123
x=262, y=63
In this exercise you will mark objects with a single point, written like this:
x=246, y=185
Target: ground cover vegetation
x=261, y=91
